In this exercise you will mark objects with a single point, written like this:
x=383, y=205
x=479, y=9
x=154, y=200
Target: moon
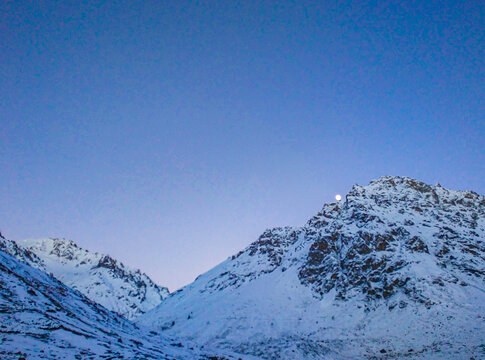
x=338, y=197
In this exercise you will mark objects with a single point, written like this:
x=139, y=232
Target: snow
x=313, y=292
x=395, y=270
x=102, y=279
x=41, y=318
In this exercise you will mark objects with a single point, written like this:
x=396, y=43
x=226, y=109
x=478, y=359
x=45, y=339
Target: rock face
x=41, y=318
x=396, y=269
x=373, y=244
x=101, y=278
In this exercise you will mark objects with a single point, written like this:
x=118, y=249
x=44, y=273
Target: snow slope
x=397, y=270
x=101, y=278
x=41, y=318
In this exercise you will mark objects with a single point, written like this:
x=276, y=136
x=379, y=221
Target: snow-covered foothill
x=41, y=318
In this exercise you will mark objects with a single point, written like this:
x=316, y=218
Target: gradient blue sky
x=170, y=134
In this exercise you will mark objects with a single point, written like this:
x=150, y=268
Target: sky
x=171, y=134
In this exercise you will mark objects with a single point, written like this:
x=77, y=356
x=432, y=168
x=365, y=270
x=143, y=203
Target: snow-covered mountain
x=41, y=318
x=396, y=270
x=101, y=278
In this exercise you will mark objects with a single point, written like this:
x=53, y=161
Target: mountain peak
x=100, y=277
x=396, y=248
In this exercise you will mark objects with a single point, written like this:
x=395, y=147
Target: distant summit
x=394, y=270
x=101, y=278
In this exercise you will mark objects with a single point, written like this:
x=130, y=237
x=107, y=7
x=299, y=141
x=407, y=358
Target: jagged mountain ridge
x=101, y=278
x=396, y=270
x=41, y=318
